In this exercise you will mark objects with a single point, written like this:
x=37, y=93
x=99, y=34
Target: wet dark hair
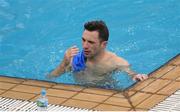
x=98, y=26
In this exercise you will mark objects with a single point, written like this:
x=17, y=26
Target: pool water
x=34, y=34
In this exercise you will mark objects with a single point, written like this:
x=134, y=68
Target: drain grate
x=171, y=103
x=8, y=104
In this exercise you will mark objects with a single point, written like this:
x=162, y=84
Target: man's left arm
x=135, y=76
x=123, y=65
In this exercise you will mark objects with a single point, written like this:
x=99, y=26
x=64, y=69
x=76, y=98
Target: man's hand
x=50, y=76
x=140, y=77
x=71, y=52
x=63, y=67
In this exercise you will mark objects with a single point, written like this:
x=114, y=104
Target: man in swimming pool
x=94, y=63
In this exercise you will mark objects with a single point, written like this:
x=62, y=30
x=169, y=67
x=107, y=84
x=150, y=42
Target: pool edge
x=141, y=96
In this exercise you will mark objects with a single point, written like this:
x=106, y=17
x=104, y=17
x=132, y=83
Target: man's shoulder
x=117, y=59
x=109, y=53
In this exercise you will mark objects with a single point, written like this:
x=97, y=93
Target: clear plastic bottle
x=42, y=102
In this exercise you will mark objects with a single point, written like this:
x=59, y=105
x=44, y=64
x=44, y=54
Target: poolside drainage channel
x=171, y=103
x=8, y=104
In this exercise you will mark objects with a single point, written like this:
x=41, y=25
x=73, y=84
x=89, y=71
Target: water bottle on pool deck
x=42, y=102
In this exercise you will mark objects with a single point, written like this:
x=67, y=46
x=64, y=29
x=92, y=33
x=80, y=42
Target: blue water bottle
x=42, y=102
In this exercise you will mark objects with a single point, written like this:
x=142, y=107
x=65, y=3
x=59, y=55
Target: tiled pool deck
x=142, y=96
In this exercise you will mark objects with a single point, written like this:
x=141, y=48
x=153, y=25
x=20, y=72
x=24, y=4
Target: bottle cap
x=43, y=92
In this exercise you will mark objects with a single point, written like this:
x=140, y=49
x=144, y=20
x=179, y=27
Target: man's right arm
x=62, y=68
x=65, y=64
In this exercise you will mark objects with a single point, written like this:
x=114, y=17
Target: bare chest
x=100, y=68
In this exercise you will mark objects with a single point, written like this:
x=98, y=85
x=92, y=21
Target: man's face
x=91, y=43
